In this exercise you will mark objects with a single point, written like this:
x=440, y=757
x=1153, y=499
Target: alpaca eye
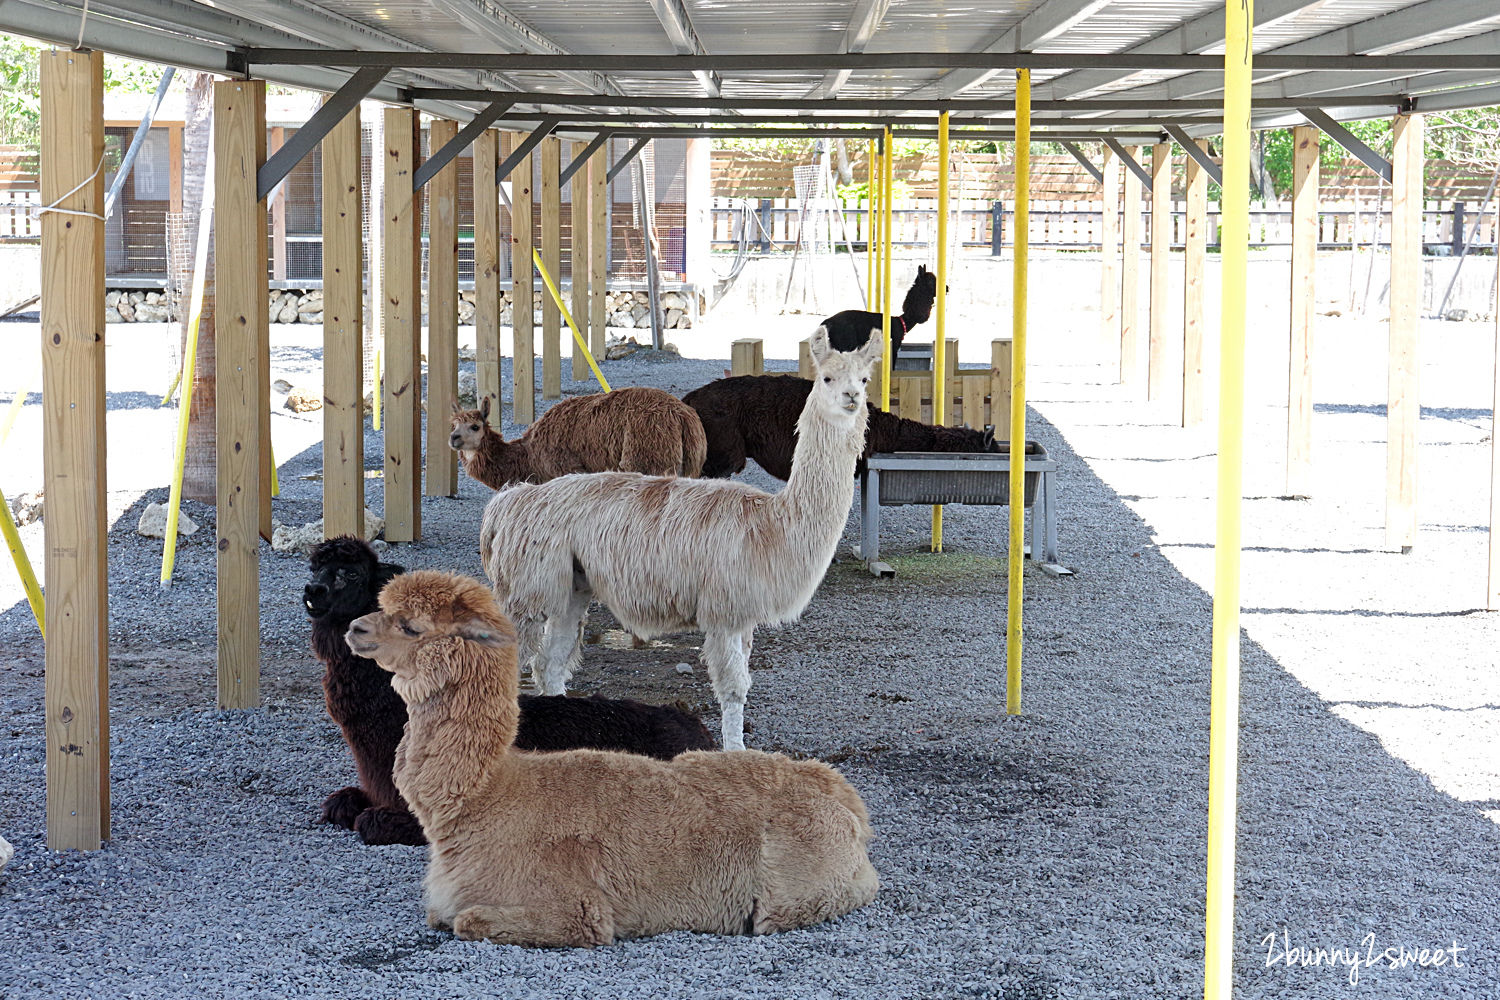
x=827, y=378
x=473, y=427
x=865, y=381
x=409, y=630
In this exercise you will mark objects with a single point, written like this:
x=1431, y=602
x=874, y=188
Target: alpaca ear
x=989, y=436
x=921, y=269
x=873, y=348
x=454, y=406
x=484, y=636
x=484, y=407
x=386, y=572
x=819, y=347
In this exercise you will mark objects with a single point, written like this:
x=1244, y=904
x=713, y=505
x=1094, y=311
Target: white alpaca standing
x=669, y=555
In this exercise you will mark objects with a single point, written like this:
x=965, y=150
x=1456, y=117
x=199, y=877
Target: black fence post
x=765, y=225
x=1458, y=229
x=997, y=227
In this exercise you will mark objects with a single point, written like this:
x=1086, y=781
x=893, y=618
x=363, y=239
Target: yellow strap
x=23, y=566
x=536, y=256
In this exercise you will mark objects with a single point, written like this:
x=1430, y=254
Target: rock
x=312, y=318
x=673, y=300
x=6, y=852
x=468, y=389
x=112, y=315
x=148, y=312
x=304, y=400
x=281, y=385
x=1456, y=315
x=153, y=523
x=126, y=310
x=285, y=313
x=670, y=349
x=381, y=546
x=300, y=541
x=641, y=315
x=621, y=319
x=466, y=354
x=27, y=507
x=674, y=316
x=153, y=298
x=642, y=298
x=111, y=299
x=310, y=304
x=621, y=349
x=136, y=298
x=684, y=668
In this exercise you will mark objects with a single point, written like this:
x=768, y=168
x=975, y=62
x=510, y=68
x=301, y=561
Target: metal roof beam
x=675, y=21
x=333, y=110
x=1042, y=24
x=1200, y=155
x=1424, y=61
x=460, y=142
x=863, y=21
x=624, y=162
x=597, y=120
x=1085, y=162
x=1349, y=141
x=578, y=161
x=1127, y=159
x=543, y=129
x=494, y=21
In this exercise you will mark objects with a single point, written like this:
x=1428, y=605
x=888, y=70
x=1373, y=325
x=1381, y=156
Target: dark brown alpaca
x=635, y=429
x=346, y=578
x=755, y=416
x=852, y=327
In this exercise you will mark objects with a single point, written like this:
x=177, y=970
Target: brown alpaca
x=632, y=430
x=585, y=847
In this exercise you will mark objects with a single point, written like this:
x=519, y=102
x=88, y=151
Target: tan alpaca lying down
x=584, y=847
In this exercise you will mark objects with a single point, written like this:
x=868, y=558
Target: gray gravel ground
x=1058, y=854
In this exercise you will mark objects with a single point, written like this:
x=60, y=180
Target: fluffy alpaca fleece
x=636, y=429
x=667, y=555
x=755, y=416
x=345, y=581
x=584, y=848
x=852, y=327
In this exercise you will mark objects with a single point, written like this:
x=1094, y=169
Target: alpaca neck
x=498, y=461
x=822, y=478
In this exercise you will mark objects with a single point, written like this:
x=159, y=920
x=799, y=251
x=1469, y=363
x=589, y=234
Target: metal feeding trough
x=945, y=477
x=913, y=358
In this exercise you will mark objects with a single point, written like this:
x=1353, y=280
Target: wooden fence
x=772, y=224
x=19, y=218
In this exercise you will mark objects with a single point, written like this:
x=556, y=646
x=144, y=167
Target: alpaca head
x=428, y=630
x=344, y=575
x=917, y=306
x=840, y=377
x=469, y=427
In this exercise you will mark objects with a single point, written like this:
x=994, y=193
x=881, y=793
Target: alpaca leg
x=530, y=633
x=384, y=825
x=563, y=647
x=584, y=924
x=726, y=655
x=343, y=806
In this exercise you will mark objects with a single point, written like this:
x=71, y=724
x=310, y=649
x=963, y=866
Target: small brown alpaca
x=585, y=847
x=633, y=430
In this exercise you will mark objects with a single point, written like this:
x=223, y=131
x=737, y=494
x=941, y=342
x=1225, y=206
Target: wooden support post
x=552, y=259
x=598, y=249
x=174, y=168
x=578, y=228
x=805, y=367
x=242, y=309
x=1406, y=292
x=76, y=527
x=343, y=333
x=403, y=329
x=487, y=270
x=1130, y=281
x=1299, y=402
x=442, y=315
x=1109, y=285
x=523, y=301
x=1492, y=601
x=278, y=216
x=747, y=356
x=1000, y=364
x=1161, y=256
x=1195, y=259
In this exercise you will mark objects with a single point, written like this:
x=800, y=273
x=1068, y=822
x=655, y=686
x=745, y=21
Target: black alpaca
x=848, y=330
x=345, y=581
x=755, y=416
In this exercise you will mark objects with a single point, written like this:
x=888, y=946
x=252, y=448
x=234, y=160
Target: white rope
x=82, y=21
x=81, y=184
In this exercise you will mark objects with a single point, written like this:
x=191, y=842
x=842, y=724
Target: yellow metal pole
x=872, y=228
x=939, y=367
x=562, y=306
x=23, y=566
x=1022, y=243
x=885, y=269
x=1224, y=699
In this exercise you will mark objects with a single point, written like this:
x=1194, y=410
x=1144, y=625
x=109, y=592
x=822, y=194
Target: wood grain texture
x=403, y=328
x=73, y=453
x=1299, y=398
x=1402, y=398
x=598, y=249
x=1195, y=260
x=578, y=229
x=343, y=333
x=551, y=150
x=1000, y=365
x=1130, y=278
x=242, y=329
x=523, y=294
x=442, y=315
x=747, y=356
x=1109, y=281
x=487, y=271
x=1159, y=347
